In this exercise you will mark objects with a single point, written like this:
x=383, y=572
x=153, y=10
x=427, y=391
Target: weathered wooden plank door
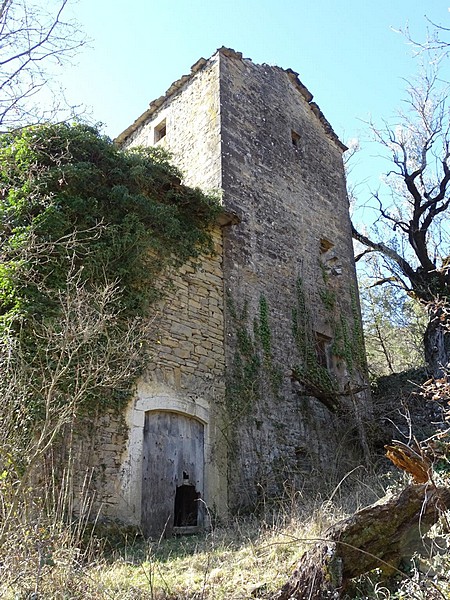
x=173, y=457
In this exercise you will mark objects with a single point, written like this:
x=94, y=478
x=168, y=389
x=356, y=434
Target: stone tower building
x=255, y=387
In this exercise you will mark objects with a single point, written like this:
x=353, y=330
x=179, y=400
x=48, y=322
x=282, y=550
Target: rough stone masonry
x=258, y=353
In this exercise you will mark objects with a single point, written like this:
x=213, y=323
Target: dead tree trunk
x=437, y=341
x=379, y=536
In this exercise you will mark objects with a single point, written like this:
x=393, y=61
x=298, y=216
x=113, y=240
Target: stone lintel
x=227, y=218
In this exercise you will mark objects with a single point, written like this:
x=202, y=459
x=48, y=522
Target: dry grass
x=248, y=559
x=233, y=562
x=51, y=561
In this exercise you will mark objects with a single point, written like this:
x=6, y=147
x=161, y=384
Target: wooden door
x=173, y=457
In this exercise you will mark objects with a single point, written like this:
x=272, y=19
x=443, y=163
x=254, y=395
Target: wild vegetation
x=90, y=237
x=86, y=227
x=394, y=326
x=410, y=235
x=243, y=559
x=87, y=231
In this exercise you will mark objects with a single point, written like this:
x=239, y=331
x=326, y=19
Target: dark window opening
x=321, y=346
x=186, y=506
x=295, y=139
x=160, y=131
x=325, y=245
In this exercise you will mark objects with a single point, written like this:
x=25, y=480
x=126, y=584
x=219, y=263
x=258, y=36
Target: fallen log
x=379, y=536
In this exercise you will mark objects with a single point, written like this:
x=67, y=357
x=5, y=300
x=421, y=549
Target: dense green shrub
x=126, y=213
x=90, y=233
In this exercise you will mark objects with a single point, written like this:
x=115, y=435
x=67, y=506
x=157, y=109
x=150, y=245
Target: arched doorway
x=172, y=473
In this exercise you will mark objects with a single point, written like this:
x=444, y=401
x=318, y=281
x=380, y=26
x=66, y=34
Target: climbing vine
x=310, y=371
x=263, y=328
x=348, y=342
x=273, y=373
x=242, y=390
x=341, y=347
x=253, y=365
x=90, y=236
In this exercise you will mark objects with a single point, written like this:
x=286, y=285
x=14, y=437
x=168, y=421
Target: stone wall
x=96, y=452
x=188, y=364
x=186, y=371
x=283, y=175
x=225, y=348
x=185, y=376
x=189, y=353
x=192, y=118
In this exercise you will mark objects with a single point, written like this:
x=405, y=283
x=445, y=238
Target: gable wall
x=186, y=371
x=288, y=198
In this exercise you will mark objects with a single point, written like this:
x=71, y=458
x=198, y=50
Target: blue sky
x=346, y=52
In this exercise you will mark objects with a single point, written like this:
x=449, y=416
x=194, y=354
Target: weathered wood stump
x=379, y=536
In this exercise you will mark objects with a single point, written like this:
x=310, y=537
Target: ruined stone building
x=255, y=387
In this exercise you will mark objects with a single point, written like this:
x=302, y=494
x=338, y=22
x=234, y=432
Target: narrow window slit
x=322, y=345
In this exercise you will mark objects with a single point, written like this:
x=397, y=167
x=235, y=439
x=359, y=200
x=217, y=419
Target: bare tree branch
x=32, y=42
x=389, y=252
x=410, y=230
x=418, y=143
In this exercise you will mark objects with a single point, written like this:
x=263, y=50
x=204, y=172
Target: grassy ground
x=227, y=562
x=244, y=558
x=247, y=559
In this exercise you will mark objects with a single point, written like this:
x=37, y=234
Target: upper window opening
x=160, y=131
x=295, y=139
x=325, y=245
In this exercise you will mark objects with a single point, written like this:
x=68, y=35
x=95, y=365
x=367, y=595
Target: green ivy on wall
x=90, y=238
x=310, y=371
x=348, y=341
x=253, y=366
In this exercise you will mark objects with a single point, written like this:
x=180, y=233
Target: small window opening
x=321, y=346
x=325, y=245
x=186, y=506
x=160, y=131
x=295, y=139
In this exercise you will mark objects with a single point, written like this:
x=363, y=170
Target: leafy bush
x=126, y=214
x=90, y=238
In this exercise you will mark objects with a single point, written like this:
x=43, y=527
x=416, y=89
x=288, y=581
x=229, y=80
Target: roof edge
x=198, y=66
x=156, y=104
